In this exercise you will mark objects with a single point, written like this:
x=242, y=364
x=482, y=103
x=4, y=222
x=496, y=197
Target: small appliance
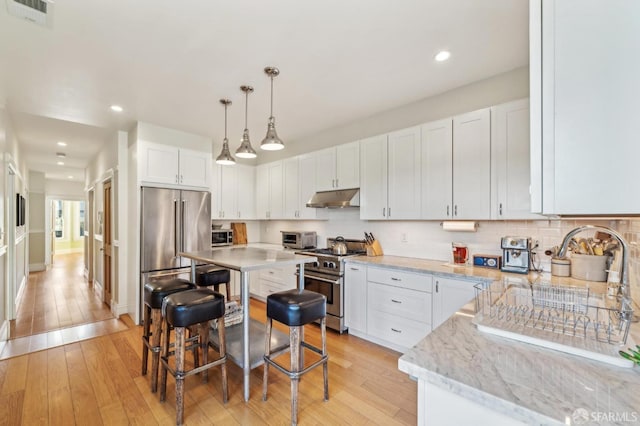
x=299, y=239
x=221, y=237
x=516, y=254
x=487, y=260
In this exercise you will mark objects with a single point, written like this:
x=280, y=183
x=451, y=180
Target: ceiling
x=169, y=63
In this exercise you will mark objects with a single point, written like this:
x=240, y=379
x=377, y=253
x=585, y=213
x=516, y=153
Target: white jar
x=560, y=267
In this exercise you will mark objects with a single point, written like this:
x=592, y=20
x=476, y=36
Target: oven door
x=328, y=285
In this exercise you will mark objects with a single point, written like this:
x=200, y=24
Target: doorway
x=107, y=242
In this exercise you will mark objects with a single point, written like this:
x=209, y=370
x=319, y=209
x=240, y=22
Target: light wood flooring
x=98, y=381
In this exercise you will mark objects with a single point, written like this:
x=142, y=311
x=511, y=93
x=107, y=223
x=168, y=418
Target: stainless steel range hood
x=336, y=199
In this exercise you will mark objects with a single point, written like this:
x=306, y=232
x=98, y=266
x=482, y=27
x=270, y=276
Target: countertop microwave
x=221, y=237
x=299, y=239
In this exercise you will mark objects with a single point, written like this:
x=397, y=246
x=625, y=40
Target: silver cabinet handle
x=447, y=210
x=455, y=210
x=177, y=181
x=437, y=286
x=337, y=183
x=395, y=330
x=500, y=209
x=181, y=178
x=354, y=269
x=395, y=301
x=395, y=279
x=389, y=212
x=383, y=211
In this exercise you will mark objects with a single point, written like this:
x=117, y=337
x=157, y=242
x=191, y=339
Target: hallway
x=58, y=307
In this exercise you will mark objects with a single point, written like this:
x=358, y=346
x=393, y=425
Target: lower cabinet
x=397, y=309
x=272, y=280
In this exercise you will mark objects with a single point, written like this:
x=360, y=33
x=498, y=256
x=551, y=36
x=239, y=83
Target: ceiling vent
x=37, y=11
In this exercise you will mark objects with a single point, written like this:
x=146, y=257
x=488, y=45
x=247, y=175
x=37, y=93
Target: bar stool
x=211, y=275
x=154, y=293
x=296, y=308
x=180, y=311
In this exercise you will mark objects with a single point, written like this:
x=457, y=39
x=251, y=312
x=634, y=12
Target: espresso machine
x=516, y=254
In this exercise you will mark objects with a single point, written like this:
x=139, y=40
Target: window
x=81, y=218
x=59, y=222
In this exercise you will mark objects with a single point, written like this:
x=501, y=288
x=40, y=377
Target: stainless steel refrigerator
x=171, y=221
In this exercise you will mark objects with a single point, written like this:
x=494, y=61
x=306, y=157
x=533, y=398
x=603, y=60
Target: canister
x=560, y=267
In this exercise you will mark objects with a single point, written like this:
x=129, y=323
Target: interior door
x=107, y=242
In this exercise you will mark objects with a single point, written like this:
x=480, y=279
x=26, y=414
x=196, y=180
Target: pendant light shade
x=245, y=150
x=271, y=142
x=225, y=157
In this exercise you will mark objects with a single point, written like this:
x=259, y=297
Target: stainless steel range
x=326, y=276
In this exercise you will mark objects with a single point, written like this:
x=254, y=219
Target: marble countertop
x=243, y=258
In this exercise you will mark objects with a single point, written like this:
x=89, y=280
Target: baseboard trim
x=4, y=331
x=37, y=267
x=23, y=285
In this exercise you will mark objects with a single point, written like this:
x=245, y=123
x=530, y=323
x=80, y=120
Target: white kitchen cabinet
x=510, y=163
x=299, y=186
x=269, y=191
x=456, y=166
x=472, y=165
x=235, y=192
x=437, y=169
x=584, y=92
x=273, y=280
x=355, y=294
x=449, y=295
x=166, y=164
x=390, y=175
x=338, y=167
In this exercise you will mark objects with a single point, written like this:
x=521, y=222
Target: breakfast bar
x=242, y=337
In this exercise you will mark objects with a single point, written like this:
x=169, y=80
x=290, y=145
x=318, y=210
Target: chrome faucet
x=626, y=310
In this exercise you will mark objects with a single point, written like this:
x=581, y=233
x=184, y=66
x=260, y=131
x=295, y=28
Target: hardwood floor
x=97, y=381
x=57, y=298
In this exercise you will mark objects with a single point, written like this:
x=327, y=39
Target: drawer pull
x=354, y=269
x=395, y=279
x=395, y=301
x=396, y=330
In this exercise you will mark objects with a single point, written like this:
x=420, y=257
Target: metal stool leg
x=267, y=351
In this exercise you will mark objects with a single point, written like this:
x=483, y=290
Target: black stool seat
x=295, y=307
x=192, y=307
x=156, y=291
x=212, y=275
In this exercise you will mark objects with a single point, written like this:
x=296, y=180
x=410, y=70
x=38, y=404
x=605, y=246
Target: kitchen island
x=246, y=259
x=469, y=377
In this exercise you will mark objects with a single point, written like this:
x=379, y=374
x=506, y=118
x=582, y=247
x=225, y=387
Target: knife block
x=374, y=249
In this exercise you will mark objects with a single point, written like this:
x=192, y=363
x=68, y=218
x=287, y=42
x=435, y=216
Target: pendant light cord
x=225, y=122
x=246, y=108
x=271, y=95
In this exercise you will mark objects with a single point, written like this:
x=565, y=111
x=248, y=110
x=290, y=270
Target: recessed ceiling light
x=62, y=143
x=60, y=163
x=116, y=108
x=70, y=177
x=60, y=154
x=442, y=56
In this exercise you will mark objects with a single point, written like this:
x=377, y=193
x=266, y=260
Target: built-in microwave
x=221, y=237
x=298, y=239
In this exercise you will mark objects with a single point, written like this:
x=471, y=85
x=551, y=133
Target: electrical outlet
x=403, y=238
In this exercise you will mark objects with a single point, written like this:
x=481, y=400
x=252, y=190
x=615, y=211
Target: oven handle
x=315, y=277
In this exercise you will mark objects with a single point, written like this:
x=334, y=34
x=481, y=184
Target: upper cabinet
x=338, y=167
x=269, y=191
x=584, y=100
x=390, y=176
x=167, y=164
x=235, y=194
x=299, y=185
x=456, y=165
x=510, y=165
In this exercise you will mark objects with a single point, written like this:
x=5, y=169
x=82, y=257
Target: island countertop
x=243, y=258
x=532, y=384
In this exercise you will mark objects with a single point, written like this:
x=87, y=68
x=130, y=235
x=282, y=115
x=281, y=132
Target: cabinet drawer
x=400, y=331
x=268, y=287
x=406, y=303
x=418, y=282
x=284, y=275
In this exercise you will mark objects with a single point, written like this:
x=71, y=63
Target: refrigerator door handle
x=175, y=228
x=182, y=216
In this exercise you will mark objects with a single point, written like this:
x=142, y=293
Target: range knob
x=325, y=264
x=332, y=265
x=316, y=264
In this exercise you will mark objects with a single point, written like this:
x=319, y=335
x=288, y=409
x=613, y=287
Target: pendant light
x=225, y=157
x=245, y=150
x=272, y=142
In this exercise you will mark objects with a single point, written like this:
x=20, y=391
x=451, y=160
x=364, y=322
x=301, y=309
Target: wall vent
x=37, y=11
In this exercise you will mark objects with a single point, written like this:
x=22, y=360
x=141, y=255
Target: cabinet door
x=348, y=165
x=228, y=190
x=448, y=296
x=160, y=164
x=373, y=178
x=276, y=198
x=472, y=165
x=437, y=169
x=262, y=191
x=195, y=168
x=246, y=192
x=510, y=165
x=356, y=297
x=307, y=187
x=404, y=188
x=326, y=169
x=590, y=106
x=291, y=188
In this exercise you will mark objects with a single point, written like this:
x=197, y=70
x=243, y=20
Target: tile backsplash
x=426, y=239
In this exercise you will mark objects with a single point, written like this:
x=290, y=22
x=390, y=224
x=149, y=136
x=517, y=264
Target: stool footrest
x=296, y=374
x=196, y=370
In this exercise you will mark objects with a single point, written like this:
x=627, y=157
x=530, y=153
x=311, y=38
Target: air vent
x=36, y=11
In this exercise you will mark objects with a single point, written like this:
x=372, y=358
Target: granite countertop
x=533, y=384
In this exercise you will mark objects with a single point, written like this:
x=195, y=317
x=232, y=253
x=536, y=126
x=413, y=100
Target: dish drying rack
x=570, y=319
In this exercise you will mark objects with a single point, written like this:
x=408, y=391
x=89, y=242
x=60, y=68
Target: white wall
x=501, y=88
x=163, y=135
x=64, y=189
